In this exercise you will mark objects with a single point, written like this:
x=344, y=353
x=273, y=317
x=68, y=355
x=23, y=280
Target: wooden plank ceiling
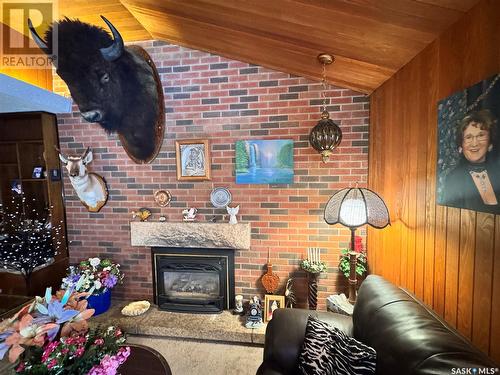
x=371, y=39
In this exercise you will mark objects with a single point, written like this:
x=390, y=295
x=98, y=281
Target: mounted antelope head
x=90, y=187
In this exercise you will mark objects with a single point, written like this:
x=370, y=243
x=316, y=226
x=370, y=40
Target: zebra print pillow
x=329, y=351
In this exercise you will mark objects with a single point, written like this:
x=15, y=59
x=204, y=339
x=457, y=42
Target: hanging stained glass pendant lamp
x=326, y=135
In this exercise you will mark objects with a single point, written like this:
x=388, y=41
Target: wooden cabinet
x=29, y=163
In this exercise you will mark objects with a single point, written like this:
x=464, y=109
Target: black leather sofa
x=408, y=337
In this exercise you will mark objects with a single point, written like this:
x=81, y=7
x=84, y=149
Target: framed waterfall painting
x=264, y=161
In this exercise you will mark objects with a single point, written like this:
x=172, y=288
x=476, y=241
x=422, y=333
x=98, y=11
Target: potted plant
x=361, y=264
x=100, y=276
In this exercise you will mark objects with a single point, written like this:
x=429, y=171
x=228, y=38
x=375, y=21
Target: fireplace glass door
x=193, y=284
x=194, y=280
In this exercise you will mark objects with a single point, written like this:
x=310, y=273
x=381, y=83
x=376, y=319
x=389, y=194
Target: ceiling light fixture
x=326, y=135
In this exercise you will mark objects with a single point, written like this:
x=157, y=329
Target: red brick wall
x=208, y=96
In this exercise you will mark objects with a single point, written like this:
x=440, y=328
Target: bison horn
x=39, y=41
x=115, y=50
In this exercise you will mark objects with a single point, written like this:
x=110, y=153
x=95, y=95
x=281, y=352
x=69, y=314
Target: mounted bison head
x=114, y=85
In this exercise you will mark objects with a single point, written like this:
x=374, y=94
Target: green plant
x=345, y=266
x=313, y=266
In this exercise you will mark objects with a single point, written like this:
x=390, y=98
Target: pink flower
x=52, y=363
x=20, y=367
x=99, y=341
x=64, y=351
x=49, y=348
x=79, y=352
x=109, y=364
x=123, y=354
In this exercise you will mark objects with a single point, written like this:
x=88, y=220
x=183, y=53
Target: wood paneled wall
x=450, y=258
x=38, y=77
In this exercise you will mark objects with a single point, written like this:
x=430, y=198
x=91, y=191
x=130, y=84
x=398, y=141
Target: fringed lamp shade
x=354, y=207
x=325, y=136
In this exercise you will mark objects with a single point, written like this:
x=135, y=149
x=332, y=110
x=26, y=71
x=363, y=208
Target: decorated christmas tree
x=27, y=237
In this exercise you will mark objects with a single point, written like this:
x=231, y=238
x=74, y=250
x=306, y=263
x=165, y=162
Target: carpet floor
x=189, y=357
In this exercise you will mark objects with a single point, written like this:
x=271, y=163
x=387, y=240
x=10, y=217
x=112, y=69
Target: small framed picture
x=37, y=172
x=271, y=303
x=193, y=159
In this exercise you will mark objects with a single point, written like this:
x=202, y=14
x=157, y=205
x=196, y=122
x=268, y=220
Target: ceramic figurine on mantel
x=254, y=318
x=289, y=294
x=238, y=305
x=233, y=211
x=189, y=214
x=142, y=213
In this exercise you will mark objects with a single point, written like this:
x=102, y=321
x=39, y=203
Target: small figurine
x=289, y=294
x=238, y=303
x=254, y=318
x=233, y=211
x=189, y=214
x=142, y=213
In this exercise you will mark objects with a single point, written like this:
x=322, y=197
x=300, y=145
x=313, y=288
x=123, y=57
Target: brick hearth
x=223, y=327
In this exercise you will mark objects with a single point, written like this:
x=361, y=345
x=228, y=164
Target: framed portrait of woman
x=468, y=166
x=192, y=159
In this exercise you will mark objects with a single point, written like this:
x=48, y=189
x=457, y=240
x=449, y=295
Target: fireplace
x=195, y=280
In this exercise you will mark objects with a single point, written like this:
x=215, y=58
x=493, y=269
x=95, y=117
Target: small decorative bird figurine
x=143, y=214
x=189, y=214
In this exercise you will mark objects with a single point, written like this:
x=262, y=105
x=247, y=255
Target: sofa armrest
x=285, y=336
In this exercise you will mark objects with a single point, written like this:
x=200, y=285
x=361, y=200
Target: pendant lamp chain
x=324, y=83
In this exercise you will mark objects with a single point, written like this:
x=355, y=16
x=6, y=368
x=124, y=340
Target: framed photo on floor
x=193, y=159
x=271, y=303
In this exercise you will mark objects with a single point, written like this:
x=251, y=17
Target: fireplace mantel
x=209, y=235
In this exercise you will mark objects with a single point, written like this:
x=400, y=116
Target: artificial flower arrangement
x=361, y=264
x=41, y=321
x=97, y=352
x=51, y=336
x=100, y=275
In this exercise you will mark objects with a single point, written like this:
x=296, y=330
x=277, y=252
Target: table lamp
x=354, y=207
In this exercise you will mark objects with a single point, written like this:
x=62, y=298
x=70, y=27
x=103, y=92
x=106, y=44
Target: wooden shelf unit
x=29, y=140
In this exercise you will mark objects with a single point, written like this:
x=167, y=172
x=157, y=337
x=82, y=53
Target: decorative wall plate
x=162, y=198
x=220, y=197
x=136, y=308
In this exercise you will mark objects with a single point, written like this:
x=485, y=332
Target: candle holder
x=313, y=266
